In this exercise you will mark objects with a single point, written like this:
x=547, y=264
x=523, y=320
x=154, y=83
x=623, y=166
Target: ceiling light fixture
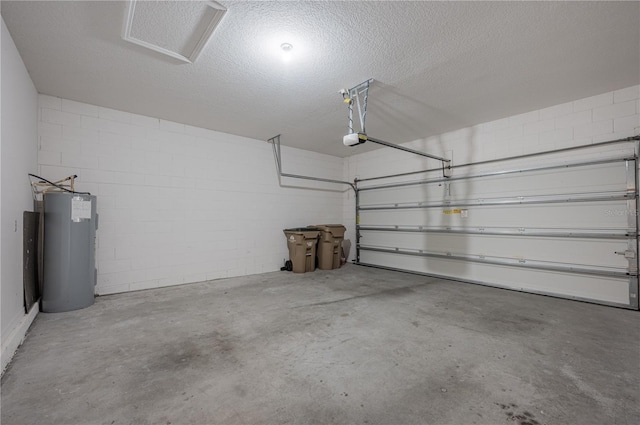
x=286, y=51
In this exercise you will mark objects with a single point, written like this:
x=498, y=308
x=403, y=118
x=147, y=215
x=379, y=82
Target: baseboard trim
x=16, y=337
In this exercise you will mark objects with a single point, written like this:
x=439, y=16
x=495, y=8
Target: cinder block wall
x=180, y=204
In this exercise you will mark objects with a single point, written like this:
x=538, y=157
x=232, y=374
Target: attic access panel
x=179, y=29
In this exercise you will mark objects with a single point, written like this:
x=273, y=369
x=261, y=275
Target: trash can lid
x=305, y=232
x=337, y=230
x=302, y=229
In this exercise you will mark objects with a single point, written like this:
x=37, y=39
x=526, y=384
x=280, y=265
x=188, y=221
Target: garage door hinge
x=627, y=254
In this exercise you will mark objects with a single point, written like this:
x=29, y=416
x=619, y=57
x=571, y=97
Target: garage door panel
x=603, y=178
x=587, y=215
x=590, y=288
x=572, y=251
x=568, y=231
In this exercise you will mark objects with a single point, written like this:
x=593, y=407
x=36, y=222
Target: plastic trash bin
x=301, y=242
x=330, y=245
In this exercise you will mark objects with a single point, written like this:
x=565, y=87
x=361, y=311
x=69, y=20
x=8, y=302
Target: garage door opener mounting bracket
x=360, y=94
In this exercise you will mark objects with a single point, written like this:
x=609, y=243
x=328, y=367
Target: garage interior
x=482, y=156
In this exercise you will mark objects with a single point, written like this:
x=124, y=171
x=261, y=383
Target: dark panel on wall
x=31, y=226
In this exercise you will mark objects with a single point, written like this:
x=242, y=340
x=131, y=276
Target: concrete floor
x=350, y=346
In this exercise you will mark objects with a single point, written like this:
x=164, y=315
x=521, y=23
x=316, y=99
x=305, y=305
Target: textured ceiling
x=438, y=66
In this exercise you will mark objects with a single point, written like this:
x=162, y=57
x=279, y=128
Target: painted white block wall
x=607, y=116
x=180, y=204
x=18, y=156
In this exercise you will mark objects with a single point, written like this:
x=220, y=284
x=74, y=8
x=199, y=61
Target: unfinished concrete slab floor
x=349, y=346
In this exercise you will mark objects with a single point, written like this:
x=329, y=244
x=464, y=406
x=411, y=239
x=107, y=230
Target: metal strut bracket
x=356, y=138
x=275, y=141
x=361, y=90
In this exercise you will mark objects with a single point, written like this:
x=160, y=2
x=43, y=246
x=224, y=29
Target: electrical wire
x=59, y=186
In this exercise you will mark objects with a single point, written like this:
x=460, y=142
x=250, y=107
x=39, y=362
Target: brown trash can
x=301, y=242
x=330, y=245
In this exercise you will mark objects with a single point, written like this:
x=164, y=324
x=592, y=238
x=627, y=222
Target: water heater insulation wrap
x=69, y=252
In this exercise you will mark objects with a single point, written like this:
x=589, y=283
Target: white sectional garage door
x=562, y=224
